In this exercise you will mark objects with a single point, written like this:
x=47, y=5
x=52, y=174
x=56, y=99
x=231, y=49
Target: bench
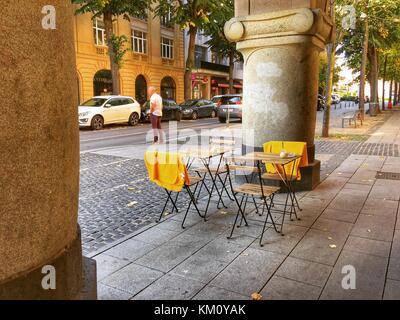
x=354, y=116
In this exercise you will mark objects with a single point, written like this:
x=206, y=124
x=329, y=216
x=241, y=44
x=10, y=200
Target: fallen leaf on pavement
x=131, y=189
x=256, y=296
x=131, y=204
x=332, y=246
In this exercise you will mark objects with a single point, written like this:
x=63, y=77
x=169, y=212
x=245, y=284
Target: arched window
x=141, y=89
x=168, y=88
x=102, y=83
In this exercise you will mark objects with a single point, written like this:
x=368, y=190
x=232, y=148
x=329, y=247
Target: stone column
x=39, y=158
x=280, y=42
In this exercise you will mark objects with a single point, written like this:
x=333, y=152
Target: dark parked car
x=321, y=102
x=171, y=111
x=230, y=105
x=198, y=108
x=335, y=98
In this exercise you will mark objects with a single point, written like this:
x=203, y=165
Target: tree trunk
x=231, y=69
x=190, y=63
x=398, y=93
x=383, y=82
x=373, y=76
x=390, y=90
x=395, y=94
x=363, y=67
x=331, y=52
x=108, y=26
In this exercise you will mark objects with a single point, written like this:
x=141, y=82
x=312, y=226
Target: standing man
x=156, y=107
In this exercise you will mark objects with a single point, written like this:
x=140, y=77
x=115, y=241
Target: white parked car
x=102, y=110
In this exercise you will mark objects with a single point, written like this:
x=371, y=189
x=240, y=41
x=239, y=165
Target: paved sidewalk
x=351, y=218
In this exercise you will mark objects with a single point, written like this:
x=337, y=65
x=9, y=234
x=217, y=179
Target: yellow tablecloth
x=298, y=148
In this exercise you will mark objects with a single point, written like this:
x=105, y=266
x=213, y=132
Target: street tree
x=193, y=16
x=109, y=10
x=218, y=42
x=376, y=30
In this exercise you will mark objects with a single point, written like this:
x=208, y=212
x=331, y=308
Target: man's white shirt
x=157, y=100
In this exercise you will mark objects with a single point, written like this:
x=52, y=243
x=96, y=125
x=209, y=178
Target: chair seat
x=221, y=169
x=194, y=180
x=255, y=189
x=243, y=168
x=276, y=176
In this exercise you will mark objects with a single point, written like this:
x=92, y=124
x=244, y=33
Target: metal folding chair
x=194, y=182
x=254, y=190
x=217, y=173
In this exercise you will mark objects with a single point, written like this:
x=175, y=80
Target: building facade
x=210, y=77
x=157, y=57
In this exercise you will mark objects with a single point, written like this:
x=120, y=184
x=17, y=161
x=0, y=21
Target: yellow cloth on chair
x=166, y=169
x=298, y=148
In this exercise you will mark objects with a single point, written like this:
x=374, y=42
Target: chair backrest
x=167, y=169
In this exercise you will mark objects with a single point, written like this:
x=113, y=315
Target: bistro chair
x=217, y=172
x=254, y=190
x=172, y=175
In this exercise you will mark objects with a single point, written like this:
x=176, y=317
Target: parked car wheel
x=194, y=115
x=213, y=114
x=178, y=116
x=222, y=120
x=97, y=122
x=133, y=119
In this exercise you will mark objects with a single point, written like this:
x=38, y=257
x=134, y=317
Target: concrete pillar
x=281, y=61
x=39, y=155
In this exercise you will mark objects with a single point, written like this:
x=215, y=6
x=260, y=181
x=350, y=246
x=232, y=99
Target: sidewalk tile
x=370, y=277
x=208, y=228
x=396, y=245
x=307, y=217
x=166, y=257
x=394, y=268
x=279, y=288
x=215, y=293
x=199, y=267
x=317, y=246
x=380, y=207
x=374, y=227
x=368, y=246
x=132, y=279
x=333, y=227
x=347, y=201
x=108, y=293
x=237, y=276
x=156, y=236
x=340, y=215
x=107, y=265
x=392, y=290
x=312, y=273
x=275, y=242
x=222, y=250
x=170, y=287
x=386, y=191
x=130, y=250
x=356, y=186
